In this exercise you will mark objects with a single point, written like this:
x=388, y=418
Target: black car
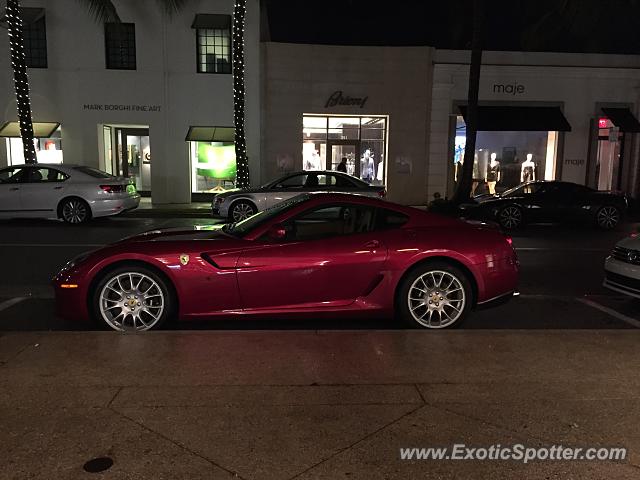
x=550, y=201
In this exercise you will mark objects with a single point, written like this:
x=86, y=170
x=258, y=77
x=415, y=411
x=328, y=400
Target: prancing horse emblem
x=184, y=259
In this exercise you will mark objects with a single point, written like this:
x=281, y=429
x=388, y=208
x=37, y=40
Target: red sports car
x=316, y=254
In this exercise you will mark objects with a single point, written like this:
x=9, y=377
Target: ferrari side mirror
x=277, y=232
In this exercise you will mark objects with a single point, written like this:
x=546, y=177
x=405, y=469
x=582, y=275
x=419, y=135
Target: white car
x=236, y=205
x=74, y=193
x=622, y=267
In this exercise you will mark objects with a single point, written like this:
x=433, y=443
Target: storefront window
x=213, y=166
x=504, y=159
x=361, y=141
x=48, y=150
x=610, y=143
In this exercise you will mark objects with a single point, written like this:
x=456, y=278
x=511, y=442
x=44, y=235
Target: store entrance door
x=609, y=159
x=134, y=157
x=339, y=149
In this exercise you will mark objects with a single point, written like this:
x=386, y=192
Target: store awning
x=520, y=119
x=210, y=134
x=622, y=118
x=40, y=129
x=211, y=20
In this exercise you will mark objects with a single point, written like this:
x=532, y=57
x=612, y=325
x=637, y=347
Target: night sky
x=611, y=26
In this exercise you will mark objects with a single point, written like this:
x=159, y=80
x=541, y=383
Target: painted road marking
x=567, y=249
x=610, y=311
x=31, y=245
x=11, y=302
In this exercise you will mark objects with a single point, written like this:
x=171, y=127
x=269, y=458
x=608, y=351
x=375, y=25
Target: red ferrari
x=316, y=254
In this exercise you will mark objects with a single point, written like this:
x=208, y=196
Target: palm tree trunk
x=20, y=79
x=242, y=162
x=463, y=192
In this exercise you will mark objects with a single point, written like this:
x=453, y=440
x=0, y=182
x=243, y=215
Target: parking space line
x=11, y=302
x=31, y=245
x=610, y=311
x=560, y=249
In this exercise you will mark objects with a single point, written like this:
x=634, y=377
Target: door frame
x=121, y=141
x=355, y=143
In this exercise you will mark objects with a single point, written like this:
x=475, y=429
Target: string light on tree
x=20, y=79
x=242, y=162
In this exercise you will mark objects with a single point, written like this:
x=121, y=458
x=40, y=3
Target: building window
x=359, y=143
x=213, y=41
x=35, y=42
x=120, y=45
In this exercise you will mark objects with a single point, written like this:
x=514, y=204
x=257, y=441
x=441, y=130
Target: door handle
x=13, y=189
x=372, y=244
x=57, y=188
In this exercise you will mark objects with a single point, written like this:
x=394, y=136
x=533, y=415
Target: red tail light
x=509, y=240
x=382, y=193
x=113, y=188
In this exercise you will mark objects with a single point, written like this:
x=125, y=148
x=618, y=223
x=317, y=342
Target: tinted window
x=526, y=189
x=40, y=175
x=10, y=175
x=388, y=219
x=331, y=221
x=242, y=228
x=93, y=172
x=296, y=181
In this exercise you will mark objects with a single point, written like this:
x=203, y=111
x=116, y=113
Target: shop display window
x=505, y=159
x=213, y=166
x=356, y=145
x=48, y=150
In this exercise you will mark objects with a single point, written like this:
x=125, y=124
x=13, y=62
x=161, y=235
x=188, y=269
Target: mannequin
x=478, y=175
x=367, y=166
x=458, y=170
x=493, y=174
x=380, y=174
x=528, y=171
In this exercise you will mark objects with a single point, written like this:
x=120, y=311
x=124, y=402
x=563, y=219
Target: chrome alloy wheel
x=242, y=211
x=510, y=217
x=436, y=299
x=131, y=301
x=74, y=211
x=608, y=217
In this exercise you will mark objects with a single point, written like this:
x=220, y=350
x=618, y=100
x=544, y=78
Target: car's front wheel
x=434, y=295
x=75, y=211
x=241, y=210
x=132, y=299
x=608, y=217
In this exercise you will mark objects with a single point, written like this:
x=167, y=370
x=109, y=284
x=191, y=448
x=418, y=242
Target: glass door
x=609, y=156
x=134, y=156
x=344, y=156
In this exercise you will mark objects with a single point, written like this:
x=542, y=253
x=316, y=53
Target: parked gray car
x=236, y=205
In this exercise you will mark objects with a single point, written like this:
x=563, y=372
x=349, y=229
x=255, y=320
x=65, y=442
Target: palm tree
x=20, y=79
x=237, y=49
x=463, y=192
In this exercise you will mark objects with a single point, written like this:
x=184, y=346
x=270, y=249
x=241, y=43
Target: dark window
x=214, y=46
x=120, y=45
x=39, y=175
x=388, y=219
x=93, y=172
x=330, y=221
x=35, y=43
x=296, y=181
x=10, y=175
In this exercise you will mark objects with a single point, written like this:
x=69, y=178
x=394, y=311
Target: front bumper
x=622, y=277
x=114, y=206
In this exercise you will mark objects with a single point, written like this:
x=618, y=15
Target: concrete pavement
x=314, y=405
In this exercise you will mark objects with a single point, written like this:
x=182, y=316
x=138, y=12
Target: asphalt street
x=560, y=281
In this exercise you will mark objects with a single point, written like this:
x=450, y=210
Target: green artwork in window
x=216, y=161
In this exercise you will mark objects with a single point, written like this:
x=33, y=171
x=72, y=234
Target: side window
x=331, y=221
x=42, y=175
x=326, y=180
x=296, y=181
x=342, y=182
x=10, y=175
x=388, y=219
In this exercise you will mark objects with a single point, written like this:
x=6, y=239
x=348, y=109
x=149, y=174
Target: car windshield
x=93, y=172
x=240, y=229
x=523, y=189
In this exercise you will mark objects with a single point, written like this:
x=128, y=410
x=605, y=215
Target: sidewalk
x=314, y=405
x=191, y=210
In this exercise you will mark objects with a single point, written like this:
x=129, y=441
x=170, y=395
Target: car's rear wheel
x=241, y=210
x=510, y=217
x=132, y=299
x=435, y=295
x=75, y=211
x=608, y=217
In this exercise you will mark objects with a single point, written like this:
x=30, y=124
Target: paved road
x=560, y=284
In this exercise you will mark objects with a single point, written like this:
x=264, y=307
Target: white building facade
x=152, y=99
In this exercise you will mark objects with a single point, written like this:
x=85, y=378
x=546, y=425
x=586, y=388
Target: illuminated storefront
x=213, y=159
x=47, y=141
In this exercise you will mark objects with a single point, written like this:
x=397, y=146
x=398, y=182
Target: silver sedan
x=74, y=193
x=236, y=205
